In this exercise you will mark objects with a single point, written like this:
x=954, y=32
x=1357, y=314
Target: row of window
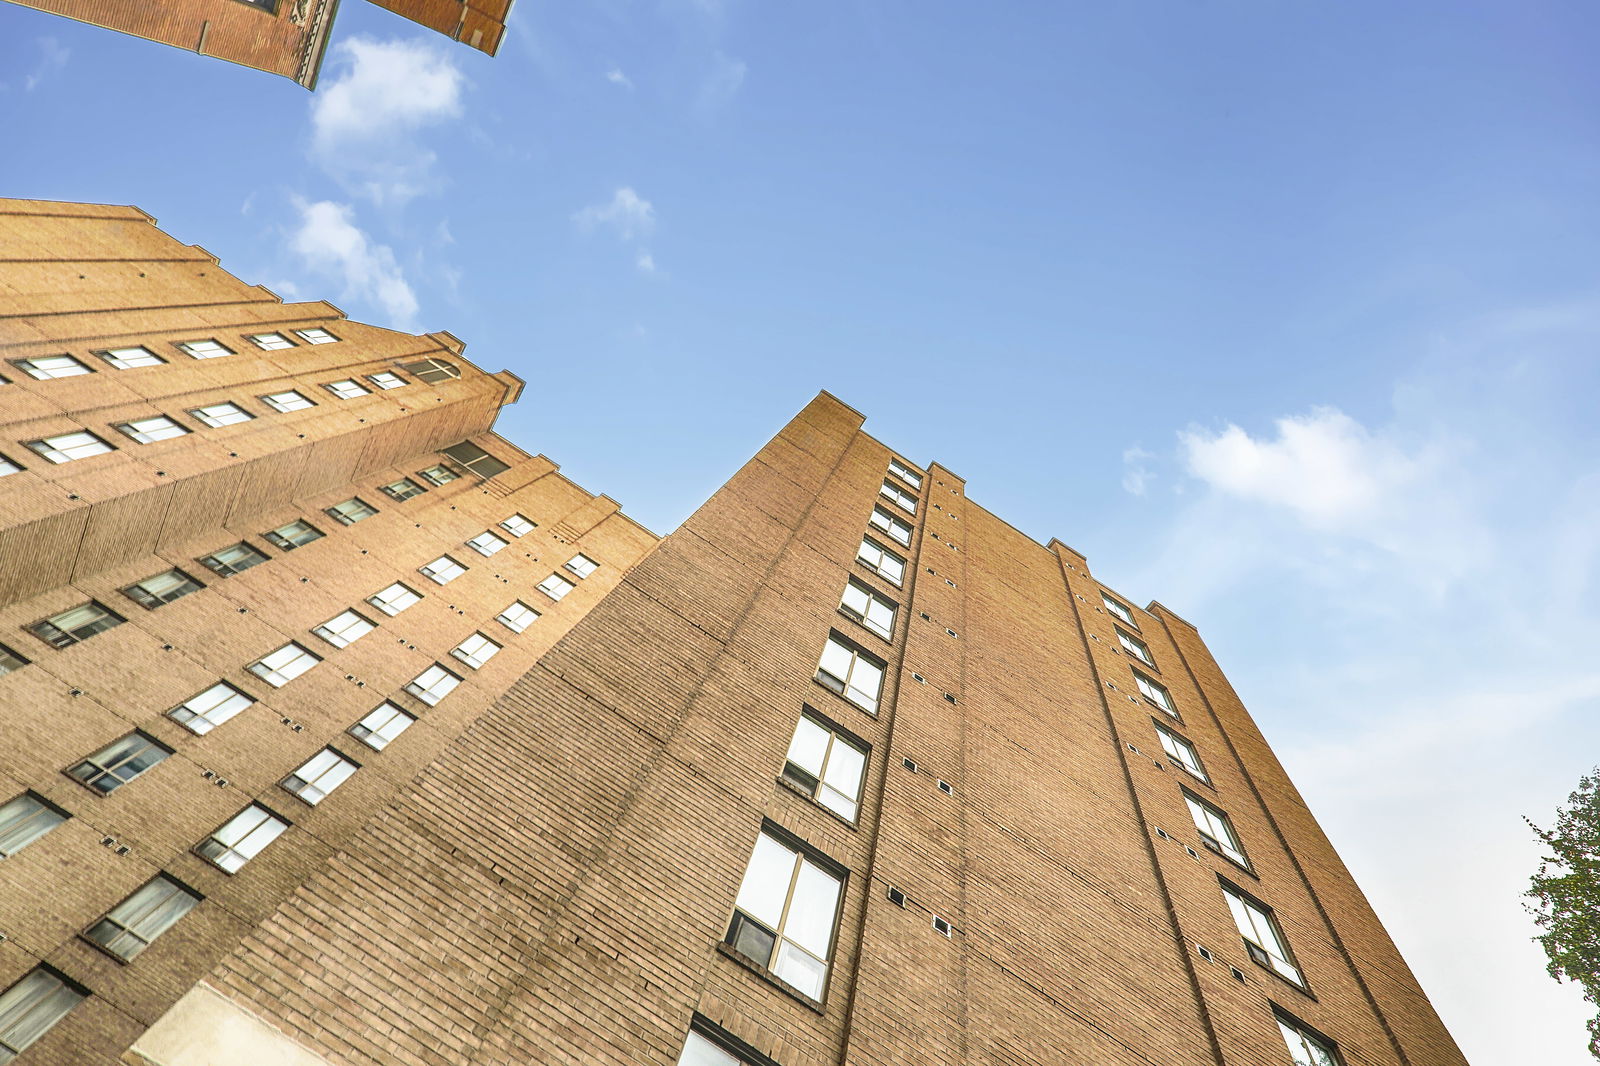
x=45, y=367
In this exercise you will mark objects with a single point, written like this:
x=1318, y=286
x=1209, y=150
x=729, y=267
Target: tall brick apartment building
x=340, y=730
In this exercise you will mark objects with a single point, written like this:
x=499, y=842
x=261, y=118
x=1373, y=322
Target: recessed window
x=1155, y=692
x=438, y=474
x=284, y=665
x=150, y=430
x=24, y=820
x=70, y=447
x=403, y=489
x=555, y=586
x=476, y=650
x=517, y=617
x=204, y=349
x=233, y=559
x=322, y=773
x=709, y=1044
x=8, y=467
x=1307, y=1047
x=29, y=1008
x=162, y=589
x=1134, y=646
x=350, y=511
x=381, y=726
x=519, y=525
x=785, y=913
x=881, y=560
x=1215, y=828
x=10, y=661
x=867, y=607
x=442, y=570
x=905, y=473
x=432, y=371
x=344, y=629
x=80, y=623
x=394, y=599
x=285, y=402
x=891, y=491
x=852, y=673
x=827, y=765
x=294, y=535
x=243, y=838
x=1181, y=752
x=898, y=530
x=217, y=415
x=476, y=459
x=346, y=389
x=45, y=367
x=132, y=924
x=119, y=762
x=582, y=565
x=486, y=543
x=433, y=684
x=386, y=380
x=130, y=358
x=1117, y=609
x=1263, y=939
x=315, y=336
x=204, y=712
x=270, y=342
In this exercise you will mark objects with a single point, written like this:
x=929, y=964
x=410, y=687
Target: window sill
x=1231, y=861
x=1302, y=989
x=770, y=978
x=812, y=800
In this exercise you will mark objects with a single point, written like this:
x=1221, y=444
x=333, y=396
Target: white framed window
x=881, y=561
x=70, y=447
x=394, y=599
x=23, y=820
x=518, y=617
x=350, y=511
x=852, y=673
x=442, y=570
x=292, y=535
x=45, y=367
x=381, y=725
x=315, y=336
x=905, y=473
x=8, y=467
x=827, y=765
x=321, y=774
x=867, y=607
x=204, y=712
x=403, y=489
x=1134, y=646
x=347, y=389
x=1263, y=939
x=1307, y=1047
x=899, y=531
x=582, y=565
x=76, y=624
x=386, y=380
x=119, y=762
x=208, y=349
x=433, y=684
x=284, y=402
x=150, y=430
x=891, y=491
x=130, y=358
x=284, y=665
x=270, y=342
x=475, y=650
x=1155, y=692
x=32, y=1006
x=162, y=589
x=234, y=558
x=242, y=838
x=1181, y=752
x=344, y=629
x=786, y=911
x=1120, y=612
x=519, y=525
x=438, y=474
x=555, y=586
x=1215, y=828
x=217, y=415
x=131, y=925
x=486, y=543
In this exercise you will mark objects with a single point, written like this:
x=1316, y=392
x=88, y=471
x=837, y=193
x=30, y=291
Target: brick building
x=340, y=730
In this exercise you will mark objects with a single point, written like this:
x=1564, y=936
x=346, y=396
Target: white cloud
x=53, y=57
x=628, y=214
x=645, y=262
x=1136, y=472
x=616, y=77
x=330, y=243
x=722, y=82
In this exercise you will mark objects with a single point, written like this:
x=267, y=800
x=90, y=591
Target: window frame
x=226, y=570
x=437, y=480
x=160, y=600
x=837, y=735
x=335, y=387
x=42, y=811
x=201, y=716
x=868, y=542
x=857, y=653
x=343, y=768
x=1251, y=903
x=11, y=661
x=51, y=996
x=579, y=570
x=891, y=492
x=905, y=472
x=1307, y=1034
x=486, y=550
x=431, y=575
x=255, y=805
x=327, y=337
x=421, y=694
x=109, y=357
x=1119, y=610
x=431, y=370
x=103, y=767
x=507, y=525
x=133, y=431
x=257, y=338
x=1169, y=707
x=501, y=617
x=382, y=606
x=874, y=598
x=27, y=365
x=340, y=517
x=336, y=637
x=366, y=738
x=890, y=522
x=66, y=638
x=127, y=926
x=388, y=490
x=187, y=348
x=1135, y=647
x=51, y=447
x=1193, y=799
x=471, y=660
x=1200, y=774
x=204, y=416
x=267, y=672
x=386, y=380
x=556, y=577
x=271, y=399
x=803, y=852
x=720, y=1039
x=283, y=543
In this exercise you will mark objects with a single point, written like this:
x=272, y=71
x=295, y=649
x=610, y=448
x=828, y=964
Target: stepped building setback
x=341, y=731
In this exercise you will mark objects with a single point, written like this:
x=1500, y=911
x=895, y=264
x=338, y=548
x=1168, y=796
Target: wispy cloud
x=1136, y=471
x=53, y=57
x=721, y=83
x=627, y=214
x=328, y=242
x=616, y=77
x=645, y=262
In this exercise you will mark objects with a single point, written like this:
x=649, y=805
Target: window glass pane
x=555, y=586
x=809, y=747
x=766, y=882
x=316, y=336
x=582, y=565
x=394, y=599
x=381, y=726
x=24, y=820
x=294, y=535
x=70, y=447
x=162, y=589
x=119, y=762
x=287, y=401
x=845, y=765
x=518, y=525
x=30, y=1007
x=156, y=907
x=218, y=415
x=346, y=389
x=284, y=665
x=243, y=838
x=10, y=661
x=271, y=341
x=129, y=358
x=1305, y=1049
x=344, y=629
x=351, y=511
x=518, y=617
x=476, y=650
x=387, y=380
x=150, y=430
x=439, y=475
x=45, y=367
x=836, y=659
x=403, y=489
x=800, y=969
x=231, y=560
x=322, y=773
x=811, y=910
x=698, y=1051
x=204, y=349
x=211, y=708
x=486, y=543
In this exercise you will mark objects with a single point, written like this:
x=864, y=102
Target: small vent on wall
x=1238, y=974
x=897, y=897
x=946, y=788
x=909, y=764
x=941, y=926
x=1205, y=953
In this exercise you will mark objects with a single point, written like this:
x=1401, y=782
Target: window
x=827, y=765
x=270, y=342
x=475, y=650
x=394, y=599
x=68, y=447
x=293, y=535
x=403, y=489
x=1262, y=937
x=881, y=560
x=582, y=565
x=10, y=661
x=8, y=467
x=709, y=1044
x=381, y=726
x=1182, y=752
x=1216, y=830
x=31, y=1006
x=852, y=673
x=784, y=915
x=132, y=924
x=486, y=543
x=69, y=627
x=129, y=358
x=433, y=684
x=1117, y=609
x=218, y=415
x=315, y=336
x=555, y=586
x=443, y=570
x=1134, y=646
x=284, y=665
x=242, y=838
x=904, y=499
x=233, y=559
x=438, y=475
x=344, y=629
x=1307, y=1047
x=204, y=349
x=350, y=511
x=432, y=371
x=868, y=608
x=150, y=430
x=287, y=401
x=45, y=367
x=119, y=762
x=203, y=713
x=24, y=820
x=518, y=525
x=517, y=617
x=1155, y=692
x=891, y=525
x=346, y=389
x=904, y=473
x=162, y=589
x=322, y=773
x=476, y=459
x=386, y=380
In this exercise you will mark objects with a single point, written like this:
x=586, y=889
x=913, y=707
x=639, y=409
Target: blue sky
x=1285, y=314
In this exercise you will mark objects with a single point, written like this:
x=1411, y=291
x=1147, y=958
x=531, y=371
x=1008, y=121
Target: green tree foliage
x=1567, y=894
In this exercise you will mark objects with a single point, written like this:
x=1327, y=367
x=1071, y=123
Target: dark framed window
x=1215, y=828
x=432, y=371
x=708, y=1044
x=403, y=489
x=1307, y=1047
x=476, y=459
x=80, y=623
x=350, y=511
x=130, y=926
x=119, y=762
x=24, y=819
x=10, y=661
x=29, y=1008
x=851, y=672
x=1263, y=936
x=294, y=535
x=828, y=763
x=234, y=559
x=162, y=589
x=786, y=914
